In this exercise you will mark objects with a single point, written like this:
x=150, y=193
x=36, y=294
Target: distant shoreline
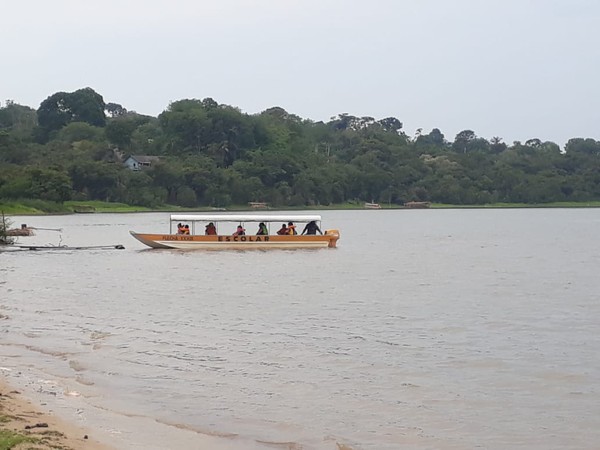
x=19, y=209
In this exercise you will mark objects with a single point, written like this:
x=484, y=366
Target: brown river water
x=424, y=329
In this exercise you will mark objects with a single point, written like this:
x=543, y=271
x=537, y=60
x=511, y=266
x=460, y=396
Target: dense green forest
x=73, y=147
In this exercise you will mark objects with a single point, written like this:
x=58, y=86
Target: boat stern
x=333, y=235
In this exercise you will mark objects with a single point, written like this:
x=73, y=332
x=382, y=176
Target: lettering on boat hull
x=243, y=238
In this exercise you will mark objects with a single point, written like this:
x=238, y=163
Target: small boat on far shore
x=66, y=247
x=226, y=237
x=84, y=209
x=20, y=232
x=417, y=205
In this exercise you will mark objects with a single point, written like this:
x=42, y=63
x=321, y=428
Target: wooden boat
x=66, y=247
x=19, y=232
x=84, y=209
x=417, y=205
x=226, y=238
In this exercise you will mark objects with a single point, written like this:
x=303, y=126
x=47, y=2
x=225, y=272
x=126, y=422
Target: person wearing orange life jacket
x=186, y=229
x=291, y=229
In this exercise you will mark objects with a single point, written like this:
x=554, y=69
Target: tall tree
x=62, y=108
x=586, y=146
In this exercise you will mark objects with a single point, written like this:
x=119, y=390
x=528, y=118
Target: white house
x=139, y=162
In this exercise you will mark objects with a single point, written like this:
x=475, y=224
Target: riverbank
x=39, y=207
x=24, y=425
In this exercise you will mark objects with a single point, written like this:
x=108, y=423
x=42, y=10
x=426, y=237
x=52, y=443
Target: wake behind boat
x=225, y=231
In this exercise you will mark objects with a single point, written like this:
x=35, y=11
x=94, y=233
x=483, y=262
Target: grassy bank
x=11, y=439
x=97, y=206
x=23, y=426
x=32, y=207
x=594, y=204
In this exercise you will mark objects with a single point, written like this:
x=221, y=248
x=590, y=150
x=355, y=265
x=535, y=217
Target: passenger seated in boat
x=262, y=229
x=240, y=231
x=311, y=228
x=180, y=228
x=186, y=229
x=210, y=229
x=291, y=228
x=283, y=229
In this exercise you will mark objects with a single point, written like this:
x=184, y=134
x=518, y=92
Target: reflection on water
x=424, y=329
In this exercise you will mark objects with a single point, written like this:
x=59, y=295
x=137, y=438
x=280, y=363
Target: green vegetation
x=5, y=225
x=33, y=206
x=10, y=439
x=70, y=154
x=590, y=204
x=99, y=206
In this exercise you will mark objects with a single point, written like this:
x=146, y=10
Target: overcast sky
x=517, y=69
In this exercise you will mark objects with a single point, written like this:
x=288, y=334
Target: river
x=424, y=329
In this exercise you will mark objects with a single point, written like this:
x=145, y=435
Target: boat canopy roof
x=244, y=218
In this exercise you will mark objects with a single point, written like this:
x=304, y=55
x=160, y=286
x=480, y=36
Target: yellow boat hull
x=327, y=240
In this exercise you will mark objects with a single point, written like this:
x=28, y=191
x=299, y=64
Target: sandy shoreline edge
x=24, y=412
x=20, y=415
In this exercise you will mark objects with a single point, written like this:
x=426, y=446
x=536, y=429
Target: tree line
x=73, y=146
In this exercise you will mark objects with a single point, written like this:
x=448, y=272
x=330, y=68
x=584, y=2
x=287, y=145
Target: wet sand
x=21, y=415
x=33, y=409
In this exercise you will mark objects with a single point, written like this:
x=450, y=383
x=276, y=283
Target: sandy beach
x=20, y=415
